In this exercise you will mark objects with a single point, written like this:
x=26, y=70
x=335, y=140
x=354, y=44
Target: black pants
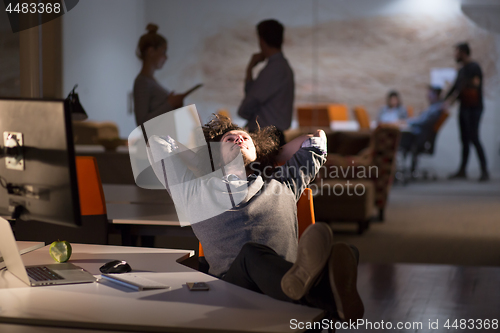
x=469, y=119
x=259, y=268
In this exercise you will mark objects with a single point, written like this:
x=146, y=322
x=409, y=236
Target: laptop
x=39, y=275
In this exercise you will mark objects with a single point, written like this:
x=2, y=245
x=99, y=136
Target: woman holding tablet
x=150, y=98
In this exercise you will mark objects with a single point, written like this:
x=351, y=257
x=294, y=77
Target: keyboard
x=41, y=273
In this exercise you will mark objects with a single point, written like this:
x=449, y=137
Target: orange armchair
x=362, y=117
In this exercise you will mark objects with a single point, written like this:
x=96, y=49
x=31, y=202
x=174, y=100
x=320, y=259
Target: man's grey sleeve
x=300, y=170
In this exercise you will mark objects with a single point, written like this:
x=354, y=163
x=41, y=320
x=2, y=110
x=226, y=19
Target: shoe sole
x=313, y=252
x=343, y=274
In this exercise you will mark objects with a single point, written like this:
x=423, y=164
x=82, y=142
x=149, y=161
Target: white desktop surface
x=16, y=328
x=225, y=307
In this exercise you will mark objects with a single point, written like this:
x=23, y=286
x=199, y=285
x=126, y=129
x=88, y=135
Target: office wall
x=350, y=52
x=99, y=41
x=342, y=51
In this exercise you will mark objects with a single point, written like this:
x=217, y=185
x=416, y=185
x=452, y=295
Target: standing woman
x=150, y=98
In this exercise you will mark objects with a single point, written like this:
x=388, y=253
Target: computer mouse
x=115, y=266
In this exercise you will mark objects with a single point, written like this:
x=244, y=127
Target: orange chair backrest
x=224, y=112
x=338, y=112
x=321, y=115
x=92, y=200
x=313, y=115
x=362, y=117
x=409, y=111
x=305, y=215
x=305, y=211
x=441, y=120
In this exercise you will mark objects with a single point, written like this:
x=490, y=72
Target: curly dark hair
x=266, y=140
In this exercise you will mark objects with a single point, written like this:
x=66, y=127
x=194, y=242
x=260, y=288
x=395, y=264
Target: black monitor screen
x=37, y=167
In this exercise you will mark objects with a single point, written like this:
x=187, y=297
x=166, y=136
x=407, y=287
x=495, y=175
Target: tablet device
x=193, y=89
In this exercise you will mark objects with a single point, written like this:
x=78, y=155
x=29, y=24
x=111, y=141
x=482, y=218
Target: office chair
x=338, y=112
x=224, y=112
x=313, y=116
x=320, y=116
x=92, y=200
x=425, y=146
x=362, y=117
x=305, y=217
x=409, y=111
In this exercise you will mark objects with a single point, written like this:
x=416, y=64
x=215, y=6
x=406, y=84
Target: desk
x=16, y=328
x=130, y=204
x=138, y=211
x=107, y=306
x=126, y=193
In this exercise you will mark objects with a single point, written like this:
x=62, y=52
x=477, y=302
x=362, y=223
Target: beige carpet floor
x=443, y=222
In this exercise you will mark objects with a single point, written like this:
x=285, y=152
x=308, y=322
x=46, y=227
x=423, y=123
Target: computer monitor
x=37, y=162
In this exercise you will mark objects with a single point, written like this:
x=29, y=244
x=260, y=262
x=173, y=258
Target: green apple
x=60, y=251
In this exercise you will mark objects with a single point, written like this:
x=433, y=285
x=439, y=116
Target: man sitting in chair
x=253, y=242
x=416, y=131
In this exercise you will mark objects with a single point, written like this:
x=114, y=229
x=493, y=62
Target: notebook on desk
x=39, y=275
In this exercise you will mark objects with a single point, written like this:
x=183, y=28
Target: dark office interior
x=428, y=240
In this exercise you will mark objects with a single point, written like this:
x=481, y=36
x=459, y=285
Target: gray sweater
x=226, y=212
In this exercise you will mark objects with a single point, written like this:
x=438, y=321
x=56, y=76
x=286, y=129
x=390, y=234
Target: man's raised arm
x=289, y=149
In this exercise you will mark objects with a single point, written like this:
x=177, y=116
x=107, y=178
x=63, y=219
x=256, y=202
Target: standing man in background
x=468, y=88
x=269, y=98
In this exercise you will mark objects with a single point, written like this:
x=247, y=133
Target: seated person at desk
x=415, y=131
x=253, y=244
x=394, y=111
x=150, y=98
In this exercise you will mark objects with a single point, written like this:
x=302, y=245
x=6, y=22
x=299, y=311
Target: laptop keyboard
x=41, y=273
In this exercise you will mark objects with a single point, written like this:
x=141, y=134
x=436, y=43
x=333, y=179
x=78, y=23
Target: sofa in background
x=375, y=162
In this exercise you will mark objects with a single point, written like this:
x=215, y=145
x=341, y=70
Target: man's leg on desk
x=323, y=276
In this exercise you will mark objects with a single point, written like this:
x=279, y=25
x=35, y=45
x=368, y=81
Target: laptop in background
x=38, y=275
